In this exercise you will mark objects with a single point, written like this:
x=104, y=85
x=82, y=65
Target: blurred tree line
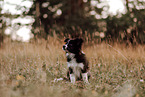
x=2, y=30
x=73, y=18
x=129, y=27
x=63, y=16
x=7, y=19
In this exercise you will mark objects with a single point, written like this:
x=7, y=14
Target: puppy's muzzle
x=64, y=47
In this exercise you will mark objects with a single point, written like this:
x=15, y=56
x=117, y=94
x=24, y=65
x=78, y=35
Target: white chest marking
x=76, y=67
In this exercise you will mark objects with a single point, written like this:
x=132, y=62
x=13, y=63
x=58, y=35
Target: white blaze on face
x=65, y=46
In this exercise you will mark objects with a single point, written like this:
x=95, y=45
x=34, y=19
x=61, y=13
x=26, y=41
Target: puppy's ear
x=79, y=41
x=66, y=40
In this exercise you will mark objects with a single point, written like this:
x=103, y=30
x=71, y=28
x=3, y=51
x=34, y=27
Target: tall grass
x=33, y=70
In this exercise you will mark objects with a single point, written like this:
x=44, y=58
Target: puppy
x=78, y=67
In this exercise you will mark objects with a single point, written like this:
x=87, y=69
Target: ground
x=34, y=70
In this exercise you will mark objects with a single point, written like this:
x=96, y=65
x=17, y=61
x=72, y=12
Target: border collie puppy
x=78, y=68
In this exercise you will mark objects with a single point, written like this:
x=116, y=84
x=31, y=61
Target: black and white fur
x=78, y=67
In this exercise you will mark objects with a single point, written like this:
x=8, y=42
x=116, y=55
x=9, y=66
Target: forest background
x=71, y=18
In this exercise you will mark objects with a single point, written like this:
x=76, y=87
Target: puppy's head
x=73, y=45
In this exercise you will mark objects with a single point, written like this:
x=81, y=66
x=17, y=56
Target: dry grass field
x=32, y=70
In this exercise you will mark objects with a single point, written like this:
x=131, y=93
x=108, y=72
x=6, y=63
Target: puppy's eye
x=70, y=45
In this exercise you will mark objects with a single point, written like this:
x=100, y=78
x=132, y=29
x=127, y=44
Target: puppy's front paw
x=85, y=77
x=72, y=78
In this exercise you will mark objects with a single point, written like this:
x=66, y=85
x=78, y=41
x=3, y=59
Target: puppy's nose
x=64, y=47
